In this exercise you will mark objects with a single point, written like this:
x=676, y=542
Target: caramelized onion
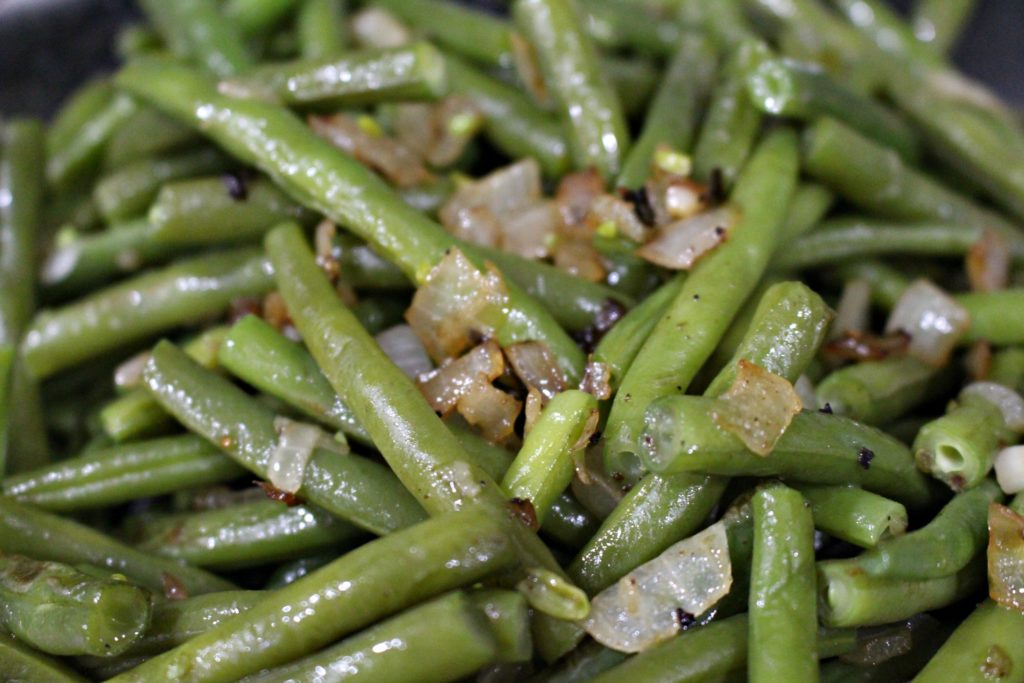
x=1006, y=556
x=446, y=385
x=681, y=244
x=932, y=319
x=390, y=158
x=757, y=408
x=536, y=368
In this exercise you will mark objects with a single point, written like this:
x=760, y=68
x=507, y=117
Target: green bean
x=684, y=437
x=574, y=302
x=319, y=26
x=361, y=587
x=409, y=72
x=732, y=122
x=199, y=30
x=363, y=268
x=121, y=473
x=60, y=611
x=942, y=547
x=709, y=298
x=887, y=30
x=958, y=448
x=428, y=197
x=1008, y=368
x=787, y=88
x=290, y=572
x=470, y=33
x=8, y=357
x=986, y=645
x=356, y=489
x=545, y=465
x=75, y=144
x=876, y=179
x=204, y=211
x=808, y=207
x=940, y=22
x=244, y=535
x=48, y=537
x=633, y=80
x=848, y=596
x=442, y=640
x=725, y=21
x=22, y=663
x=627, y=273
x=507, y=615
x=589, y=108
x=135, y=40
x=255, y=17
x=569, y=522
x=424, y=455
x=854, y=515
x=925, y=641
x=141, y=307
x=673, y=116
x=344, y=190
x=995, y=316
x=620, y=346
x=128, y=191
x=617, y=25
x=146, y=133
x=849, y=238
x=581, y=665
x=512, y=122
x=22, y=185
x=876, y=392
x=783, y=621
x=701, y=654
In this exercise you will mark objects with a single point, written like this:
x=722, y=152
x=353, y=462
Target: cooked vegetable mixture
x=596, y=340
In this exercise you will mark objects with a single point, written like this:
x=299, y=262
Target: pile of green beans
x=217, y=464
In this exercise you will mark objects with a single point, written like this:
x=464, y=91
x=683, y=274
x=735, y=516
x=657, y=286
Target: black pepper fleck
x=236, y=185
x=864, y=457
x=641, y=204
x=683, y=618
x=827, y=409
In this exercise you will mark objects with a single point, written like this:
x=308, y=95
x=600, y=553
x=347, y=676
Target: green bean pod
x=507, y=615
x=783, y=621
x=876, y=392
x=939, y=23
x=198, y=29
x=854, y=515
x=374, y=581
x=319, y=27
x=22, y=663
x=147, y=133
x=61, y=611
x=465, y=31
x=76, y=143
x=808, y=207
x=141, y=307
x=121, y=473
x=987, y=645
x=995, y=316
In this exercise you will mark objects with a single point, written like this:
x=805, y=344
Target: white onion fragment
x=286, y=466
x=1009, y=402
x=597, y=378
x=456, y=301
x=988, y=263
x=934, y=321
x=403, y=347
x=390, y=158
x=1006, y=556
x=648, y=605
x=610, y=209
x=758, y=407
x=853, y=310
x=477, y=211
x=536, y=368
x=128, y=374
x=681, y=244
x=445, y=386
x=1009, y=467
x=374, y=27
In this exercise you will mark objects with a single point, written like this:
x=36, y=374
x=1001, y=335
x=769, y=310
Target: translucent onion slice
x=529, y=232
x=988, y=263
x=576, y=194
x=597, y=378
x=524, y=59
x=405, y=350
x=456, y=121
x=503, y=192
x=1009, y=467
x=592, y=485
x=474, y=224
x=456, y=303
x=854, y=309
x=1006, y=556
x=286, y=466
x=128, y=375
x=932, y=319
x=580, y=258
x=534, y=405
x=804, y=388
x=374, y=27
x=758, y=407
x=1003, y=397
x=608, y=208
x=684, y=198
x=489, y=409
x=534, y=365
x=681, y=244
x=445, y=386
x=651, y=603
x=393, y=160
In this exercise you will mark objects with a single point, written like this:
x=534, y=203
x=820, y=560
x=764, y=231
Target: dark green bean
x=22, y=663
x=808, y=207
x=854, y=515
x=198, y=29
x=987, y=644
x=876, y=392
x=940, y=22
x=466, y=31
x=146, y=133
x=75, y=144
x=996, y=317
x=319, y=27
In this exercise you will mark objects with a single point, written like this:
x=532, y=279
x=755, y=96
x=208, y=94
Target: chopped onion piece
x=1009, y=466
x=374, y=27
x=524, y=59
x=474, y=224
x=952, y=85
x=405, y=350
x=608, y=208
x=988, y=263
x=457, y=120
x=878, y=645
x=1003, y=397
x=490, y=409
x=978, y=360
x=536, y=367
x=1006, y=556
x=530, y=232
x=286, y=466
x=648, y=605
x=579, y=257
x=757, y=408
x=804, y=388
x=853, y=310
x=456, y=302
x=443, y=387
x=534, y=405
x=503, y=192
x=680, y=245
x=128, y=374
x=932, y=319
x=576, y=194
x=597, y=378
x=393, y=160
